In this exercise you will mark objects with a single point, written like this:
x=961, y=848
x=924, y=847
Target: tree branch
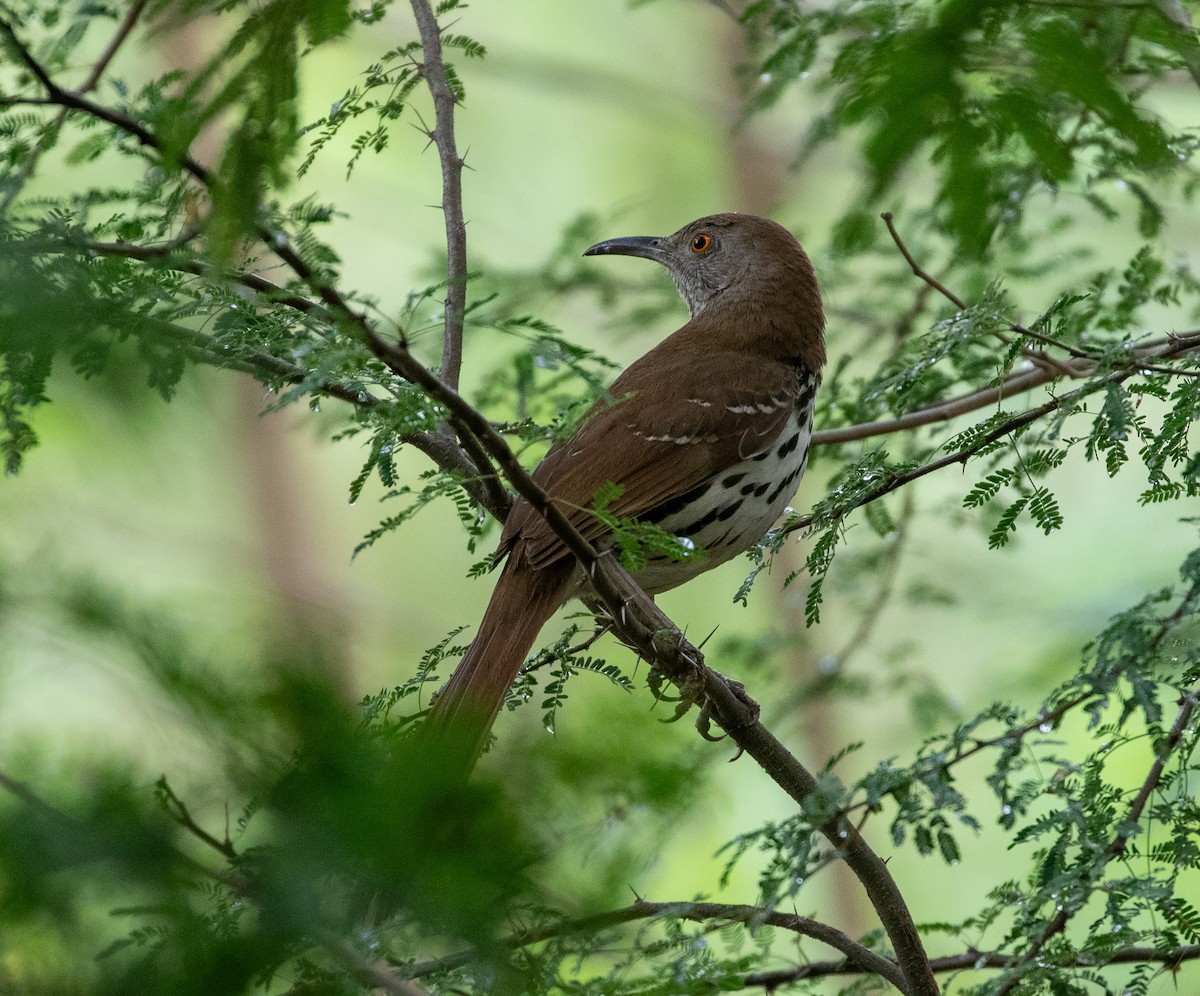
x=124, y=29
x=75, y=100
x=182, y=815
x=1129, y=828
x=374, y=973
x=967, y=960
x=1039, y=358
x=1017, y=383
x=858, y=957
x=1174, y=345
x=475, y=475
x=50, y=136
x=433, y=69
x=72, y=831
x=916, y=267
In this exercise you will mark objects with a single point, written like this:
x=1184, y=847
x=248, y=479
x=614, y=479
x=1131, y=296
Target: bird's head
x=721, y=253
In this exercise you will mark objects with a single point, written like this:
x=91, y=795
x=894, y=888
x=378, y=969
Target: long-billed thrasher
x=707, y=436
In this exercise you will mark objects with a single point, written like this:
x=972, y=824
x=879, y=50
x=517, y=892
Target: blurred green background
x=236, y=523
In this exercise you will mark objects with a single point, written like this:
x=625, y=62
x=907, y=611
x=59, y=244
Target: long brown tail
x=463, y=713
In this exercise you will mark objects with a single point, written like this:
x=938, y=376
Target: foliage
x=994, y=129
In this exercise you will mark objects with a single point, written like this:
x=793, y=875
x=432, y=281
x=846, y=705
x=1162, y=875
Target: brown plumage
x=707, y=434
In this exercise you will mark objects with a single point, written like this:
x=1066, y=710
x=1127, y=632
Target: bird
x=706, y=436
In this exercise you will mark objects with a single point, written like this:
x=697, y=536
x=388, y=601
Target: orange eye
x=702, y=242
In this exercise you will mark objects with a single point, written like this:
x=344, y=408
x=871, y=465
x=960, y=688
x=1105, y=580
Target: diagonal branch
x=918, y=271
x=474, y=470
x=1175, y=345
x=433, y=69
x=373, y=973
x=858, y=958
x=76, y=100
x=25, y=57
x=124, y=30
x=1128, y=826
x=50, y=136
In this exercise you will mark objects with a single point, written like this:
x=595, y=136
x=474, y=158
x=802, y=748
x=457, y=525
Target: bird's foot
x=704, y=723
x=691, y=693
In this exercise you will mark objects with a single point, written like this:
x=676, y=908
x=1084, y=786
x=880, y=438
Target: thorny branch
x=433, y=69
x=1039, y=358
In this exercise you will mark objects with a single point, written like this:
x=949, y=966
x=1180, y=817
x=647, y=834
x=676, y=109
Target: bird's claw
x=704, y=724
x=691, y=693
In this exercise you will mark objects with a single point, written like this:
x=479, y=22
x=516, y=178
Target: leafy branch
x=1128, y=828
x=95, y=74
x=1169, y=347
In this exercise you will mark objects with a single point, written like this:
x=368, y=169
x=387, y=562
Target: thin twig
x=76, y=828
x=180, y=813
x=549, y=655
x=918, y=271
x=1174, y=371
x=433, y=69
x=124, y=29
x=374, y=972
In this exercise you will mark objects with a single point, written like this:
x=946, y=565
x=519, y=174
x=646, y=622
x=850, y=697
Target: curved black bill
x=646, y=246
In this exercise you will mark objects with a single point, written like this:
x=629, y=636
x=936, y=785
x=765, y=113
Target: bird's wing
x=657, y=444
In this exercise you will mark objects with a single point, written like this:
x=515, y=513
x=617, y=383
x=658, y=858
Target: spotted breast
x=727, y=514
